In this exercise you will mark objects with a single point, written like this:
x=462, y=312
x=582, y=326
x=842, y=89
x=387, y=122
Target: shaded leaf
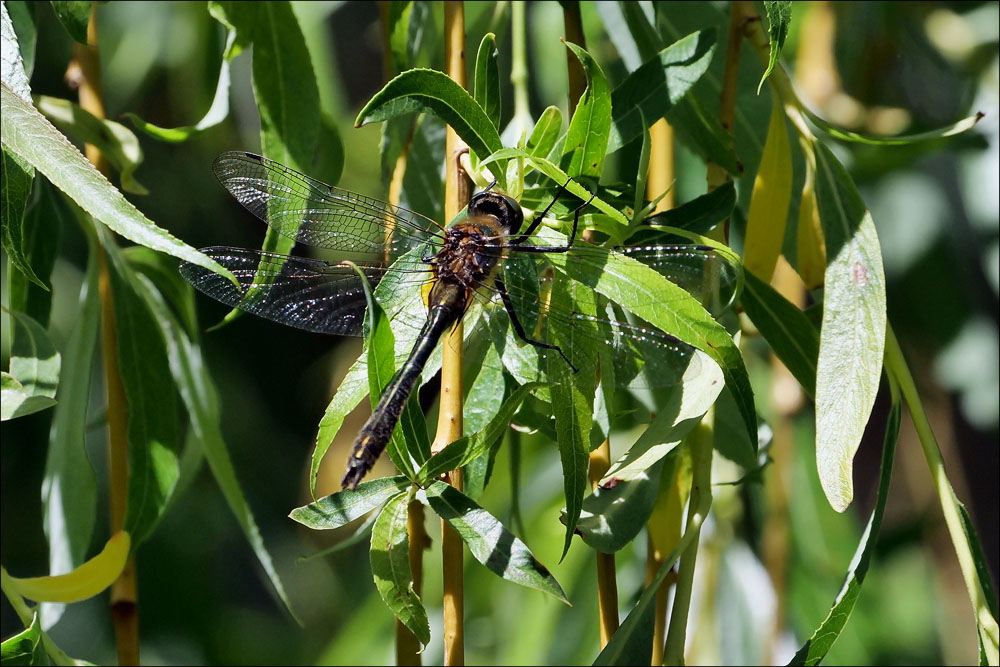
x=74, y=15
x=614, y=514
x=823, y=638
x=792, y=337
x=487, y=81
x=15, y=187
x=390, y=561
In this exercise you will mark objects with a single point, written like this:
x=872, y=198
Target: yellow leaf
x=811, y=246
x=772, y=191
x=85, y=581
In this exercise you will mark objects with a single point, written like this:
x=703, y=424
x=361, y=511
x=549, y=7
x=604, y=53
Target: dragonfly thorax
x=470, y=253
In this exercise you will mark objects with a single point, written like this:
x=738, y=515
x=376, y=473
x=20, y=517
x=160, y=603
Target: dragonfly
x=428, y=276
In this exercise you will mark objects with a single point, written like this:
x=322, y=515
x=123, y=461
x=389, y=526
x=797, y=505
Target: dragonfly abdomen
x=377, y=432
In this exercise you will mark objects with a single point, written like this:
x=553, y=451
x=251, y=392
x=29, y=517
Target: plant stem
x=85, y=73
x=701, y=500
x=951, y=507
x=450, y=413
x=607, y=585
x=407, y=645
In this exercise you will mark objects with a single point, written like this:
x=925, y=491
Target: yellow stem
x=450, y=415
x=84, y=73
x=607, y=584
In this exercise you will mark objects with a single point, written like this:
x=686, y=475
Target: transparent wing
x=555, y=309
x=309, y=294
x=317, y=214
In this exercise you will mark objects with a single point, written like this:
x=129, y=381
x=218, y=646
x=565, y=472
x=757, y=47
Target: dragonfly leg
x=561, y=248
x=519, y=328
x=429, y=259
x=533, y=225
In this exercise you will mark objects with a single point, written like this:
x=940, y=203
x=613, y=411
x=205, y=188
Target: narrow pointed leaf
x=792, y=337
x=823, y=638
x=772, y=190
x=489, y=542
x=779, y=15
x=487, y=82
x=587, y=138
x=30, y=136
x=201, y=400
x=435, y=92
x=545, y=133
x=117, y=143
x=342, y=507
x=658, y=85
x=15, y=186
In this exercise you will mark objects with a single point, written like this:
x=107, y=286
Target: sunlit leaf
x=779, y=15
x=852, y=336
x=26, y=647
x=34, y=369
x=85, y=581
x=489, y=542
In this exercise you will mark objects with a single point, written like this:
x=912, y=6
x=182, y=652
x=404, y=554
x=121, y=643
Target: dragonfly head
x=498, y=206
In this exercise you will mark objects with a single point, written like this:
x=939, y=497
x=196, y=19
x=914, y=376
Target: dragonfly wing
x=317, y=214
x=704, y=272
x=304, y=293
x=642, y=355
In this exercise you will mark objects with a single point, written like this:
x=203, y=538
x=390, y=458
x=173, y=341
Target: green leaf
x=381, y=372
x=779, y=15
x=487, y=83
x=545, y=133
x=457, y=454
x=74, y=16
x=117, y=143
x=217, y=112
x=572, y=404
x=431, y=91
x=658, y=85
x=703, y=213
x=846, y=135
x=390, y=560
x=587, y=138
x=489, y=542
x=17, y=402
x=201, y=400
x=559, y=176
x=42, y=231
x=151, y=397
x=340, y=508
x=26, y=647
x=22, y=15
x=15, y=187
x=649, y=295
x=14, y=70
x=852, y=337
x=677, y=414
x=69, y=488
x=614, y=514
x=34, y=369
x=823, y=638
x=27, y=134
x=788, y=331
x=632, y=643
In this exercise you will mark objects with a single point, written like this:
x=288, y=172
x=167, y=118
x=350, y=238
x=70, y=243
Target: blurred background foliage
x=887, y=68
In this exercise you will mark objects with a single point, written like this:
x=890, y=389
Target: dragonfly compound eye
x=499, y=206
